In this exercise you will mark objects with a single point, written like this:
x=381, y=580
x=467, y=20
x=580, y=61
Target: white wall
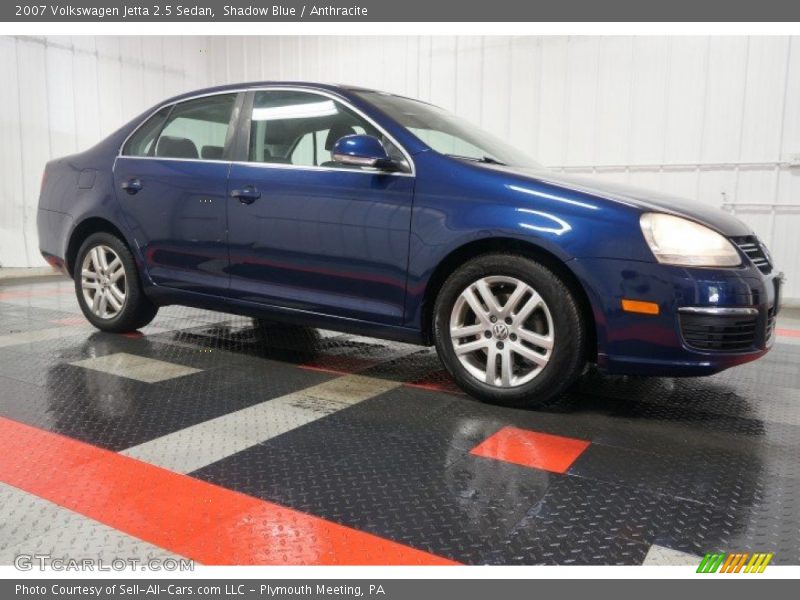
x=711, y=118
x=63, y=94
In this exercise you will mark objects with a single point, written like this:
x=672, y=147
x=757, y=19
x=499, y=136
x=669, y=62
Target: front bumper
x=709, y=319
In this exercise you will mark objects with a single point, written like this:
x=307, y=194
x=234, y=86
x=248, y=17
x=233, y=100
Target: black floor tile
x=696, y=465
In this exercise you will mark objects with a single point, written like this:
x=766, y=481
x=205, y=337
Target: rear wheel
x=107, y=285
x=509, y=331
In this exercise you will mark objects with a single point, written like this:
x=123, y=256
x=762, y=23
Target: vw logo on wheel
x=500, y=331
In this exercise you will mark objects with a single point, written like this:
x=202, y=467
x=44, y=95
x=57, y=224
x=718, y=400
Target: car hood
x=644, y=200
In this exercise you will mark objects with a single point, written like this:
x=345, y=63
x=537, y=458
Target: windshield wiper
x=484, y=159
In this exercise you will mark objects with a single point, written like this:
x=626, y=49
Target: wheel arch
x=82, y=231
x=483, y=246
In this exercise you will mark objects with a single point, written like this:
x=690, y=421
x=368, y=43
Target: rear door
x=171, y=182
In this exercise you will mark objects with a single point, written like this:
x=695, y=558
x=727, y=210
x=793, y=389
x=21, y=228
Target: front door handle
x=132, y=185
x=246, y=195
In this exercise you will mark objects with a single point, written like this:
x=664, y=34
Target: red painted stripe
x=70, y=321
x=532, y=449
x=340, y=363
x=13, y=294
x=437, y=381
x=437, y=387
x=324, y=370
x=788, y=332
x=199, y=520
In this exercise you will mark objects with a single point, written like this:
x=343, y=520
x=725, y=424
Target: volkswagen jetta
x=366, y=212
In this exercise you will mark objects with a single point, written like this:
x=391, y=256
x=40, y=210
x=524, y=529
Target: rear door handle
x=246, y=195
x=132, y=185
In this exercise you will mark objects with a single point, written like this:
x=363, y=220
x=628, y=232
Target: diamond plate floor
x=369, y=442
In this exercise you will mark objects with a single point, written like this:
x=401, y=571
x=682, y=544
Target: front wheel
x=509, y=330
x=108, y=288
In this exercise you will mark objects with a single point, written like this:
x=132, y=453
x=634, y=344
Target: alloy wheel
x=502, y=331
x=103, y=282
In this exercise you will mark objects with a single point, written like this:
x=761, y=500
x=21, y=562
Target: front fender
x=457, y=204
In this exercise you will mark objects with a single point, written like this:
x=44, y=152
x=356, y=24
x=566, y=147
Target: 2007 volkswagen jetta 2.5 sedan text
x=360, y=211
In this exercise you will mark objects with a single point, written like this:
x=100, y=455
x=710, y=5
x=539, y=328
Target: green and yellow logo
x=744, y=562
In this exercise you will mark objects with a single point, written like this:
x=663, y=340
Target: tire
x=120, y=314
x=523, y=373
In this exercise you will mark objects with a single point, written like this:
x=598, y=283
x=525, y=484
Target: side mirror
x=362, y=151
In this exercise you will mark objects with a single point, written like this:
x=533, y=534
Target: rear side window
x=197, y=129
x=142, y=141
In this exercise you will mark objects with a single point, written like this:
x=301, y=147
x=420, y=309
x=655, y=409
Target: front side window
x=301, y=128
x=446, y=133
x=194, y=129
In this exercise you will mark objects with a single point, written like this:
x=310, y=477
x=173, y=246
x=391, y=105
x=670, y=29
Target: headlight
x=677, y=241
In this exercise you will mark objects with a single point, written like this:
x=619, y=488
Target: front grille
x=719, y=333
x=754, y=251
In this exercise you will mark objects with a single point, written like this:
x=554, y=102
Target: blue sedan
x=366, y=212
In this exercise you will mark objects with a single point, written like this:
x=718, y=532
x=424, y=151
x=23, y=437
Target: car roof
x=342, y=89
x=332, y=87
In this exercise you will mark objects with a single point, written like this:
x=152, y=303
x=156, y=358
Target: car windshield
x=446, y=133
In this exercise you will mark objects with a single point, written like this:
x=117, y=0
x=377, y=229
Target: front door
x=306, y=233
x=171, y=182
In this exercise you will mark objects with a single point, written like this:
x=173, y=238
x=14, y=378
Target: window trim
x=240, y=117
